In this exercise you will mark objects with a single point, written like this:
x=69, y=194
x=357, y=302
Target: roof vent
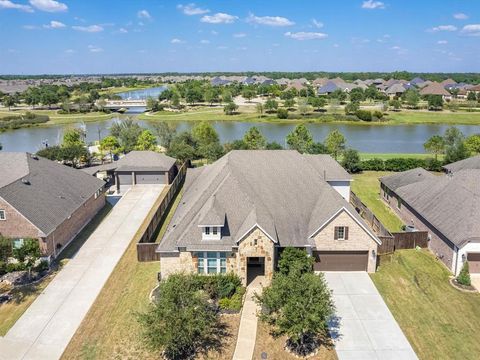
x=25, y=181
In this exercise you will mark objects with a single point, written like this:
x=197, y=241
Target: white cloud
x=471, y=30
x=444, y=28
x=49, y=5
x=192, y=9
x=399, y=50
x=317, y=24
x=122, y=30
x=70, y=51
x=460, y=16
x=7, y=4
x=442, y=42
x=306, y=35
x=94, y=49
x=54, y=25
x=239, y=35
x=269, y=20
x=336, y=45
x=204, y=41
x=371, y=5
x=213, y=32
x=219, y=18
x=89, y=29
x=144, y=14
x=177, y=41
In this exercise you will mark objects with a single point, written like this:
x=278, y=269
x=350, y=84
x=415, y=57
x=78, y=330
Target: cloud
x=443, y=28
x=70, y=51
x=144, y=14
x=219, y=18
x=269, y=20
x=306, y=35
x=192, y=9
x=205, y=42
x=460, y=16
x=7, y=4
x=122, y=30
x=177, y=41
x=239, y=35
x=89, y=29
x=442, y=42
x=49, y=5
x=94, y=49
x=399, y=50
x=317, y=24
x=471, y=30
x=371, y=5
x=54, y=25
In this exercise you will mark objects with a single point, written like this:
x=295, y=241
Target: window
x=214, y=230
x=212, y=262
x=341, y=233
x=207, y=231
x=2, y=215
x=211, y=232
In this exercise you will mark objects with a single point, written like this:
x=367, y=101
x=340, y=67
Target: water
x=142, y=94
x=365, y=138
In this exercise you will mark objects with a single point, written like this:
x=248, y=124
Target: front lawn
x=439, y=321
x=367, y=187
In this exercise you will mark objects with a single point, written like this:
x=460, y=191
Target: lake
x=365, y=138
x=142, y=94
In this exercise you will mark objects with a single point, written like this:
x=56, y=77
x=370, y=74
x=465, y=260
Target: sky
x=147, y=36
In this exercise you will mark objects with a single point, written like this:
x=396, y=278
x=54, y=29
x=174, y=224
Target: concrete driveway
x=45, y=329
x=364, y=327
x=475, y=278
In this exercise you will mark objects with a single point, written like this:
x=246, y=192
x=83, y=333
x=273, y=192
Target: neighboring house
x=218, y=81
x=139, y=167
x=469, y=163
x=447, y=206
x=435, y=88
x=45, y=200
x=328, y=88
x=395, y=90
x=416, y=81
x=237, y=214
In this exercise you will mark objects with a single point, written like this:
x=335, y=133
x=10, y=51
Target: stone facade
x=443, y=248
x=177, y=263
x=358, y=239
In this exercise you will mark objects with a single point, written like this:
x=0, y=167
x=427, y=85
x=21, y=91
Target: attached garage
x=124, y=178
x=474, y=263
x=144, y=177
x=341, y=260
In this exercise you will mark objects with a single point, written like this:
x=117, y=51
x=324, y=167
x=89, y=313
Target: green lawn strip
x=24, y=296
x=424, y=117
x=367, y=187
x=386, y=156
x=439, y=321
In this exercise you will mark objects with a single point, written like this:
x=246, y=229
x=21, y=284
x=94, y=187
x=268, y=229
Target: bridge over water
x=119, y=104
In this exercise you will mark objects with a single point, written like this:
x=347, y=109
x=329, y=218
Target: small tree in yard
x=464, y=277
x=182, y=322
x=230, y=108
x=351, y=161
x=28, y=254
x=335, y=143
x=293, y=259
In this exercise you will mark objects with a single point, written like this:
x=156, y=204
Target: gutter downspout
x=456, y=262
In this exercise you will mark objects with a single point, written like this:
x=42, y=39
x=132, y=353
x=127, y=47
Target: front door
x=255, y=267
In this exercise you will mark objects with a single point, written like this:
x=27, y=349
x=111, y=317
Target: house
x=469, y=163
x=395, y=90
x=138, y=167
x=218, y=81
x=447, y=207
x=239, y=213
x=416, y=81
x=45, y=200
x=328, y=88
x=435, y=89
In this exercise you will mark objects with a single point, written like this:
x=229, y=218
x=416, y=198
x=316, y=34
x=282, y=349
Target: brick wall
x=358, y=239
x=16, y=225
x=177, y=263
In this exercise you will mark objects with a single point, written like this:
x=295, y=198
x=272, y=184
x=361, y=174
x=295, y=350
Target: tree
x=32, y=97
x=317, y=102
x=175, y=100
x=303, y=107
x=395, y=104
x=227, y=96
x=254, y=139
x=152, y=104
x=146, y=141
x=463, y=277
x=211, y=96
x=110, y=143
x=273, y=146
x=182, y=322
x=282, y=113
x=452, y=136
x=73, y=137
x=127, y=131
x=181, y=148
x=289, y=103
x=456, y=152
x=435, y=102
x=357, y=95
x=74, y=154
x=230, y=108
x=317, y=148
x=49, y=98
x=300, y=139
x=260, y=109
x=271, y=105
x=351, y=108
x=412, y=97
x=435, y=145
x=28, y=253
x=193, y=95
x=294, y=259
x=335, y=143
x=351, y=161
x=165, y=132
x=248, y=94
x=471, y=96
x=206, y=138
x=473, y=143
x=9, y=101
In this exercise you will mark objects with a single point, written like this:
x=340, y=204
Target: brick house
x=446, y=206
x=45, y=200
x=237, y=214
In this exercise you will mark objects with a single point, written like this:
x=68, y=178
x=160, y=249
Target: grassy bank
x=386, y=156
x=439, y=321
x=431, y=117
x=367, y=188
x=60, y=119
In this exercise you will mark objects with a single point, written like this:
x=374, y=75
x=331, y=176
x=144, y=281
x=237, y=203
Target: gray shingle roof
x=395, y=181
x=52, y=191
x=451, y=203
x=280, y=191
x=328, y=168
x=470, y=163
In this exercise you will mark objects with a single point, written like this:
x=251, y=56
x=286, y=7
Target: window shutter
x=346, y=232
x=335, y=236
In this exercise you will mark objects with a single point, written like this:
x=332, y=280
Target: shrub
x=403, y=164
x=234, y=303
x=377, y=114
x=364, y=115
x=400, y=164
x=372, y=165
x=464, y=277
x=3, y=267
x=293, y=259
x=282, y=113
x=42, y=266
x=351, y=161
x=11, y=267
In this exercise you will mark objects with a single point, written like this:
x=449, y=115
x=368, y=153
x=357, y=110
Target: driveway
x=364, y=327
x=45, y=329
x=475, y=278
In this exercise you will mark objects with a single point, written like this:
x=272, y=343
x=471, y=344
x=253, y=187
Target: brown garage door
x=341, y=260
x=473, y=262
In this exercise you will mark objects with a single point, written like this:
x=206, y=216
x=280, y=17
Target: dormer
x=211, y=232
x=212, y=220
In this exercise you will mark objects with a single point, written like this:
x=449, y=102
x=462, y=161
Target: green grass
x=386, y=156
x=440, y=321
x=367, y=188
x=57, y=119
x=24, y=296
x=432, y=117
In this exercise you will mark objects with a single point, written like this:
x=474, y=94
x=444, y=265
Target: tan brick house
x=45, y=200
x=237, y=214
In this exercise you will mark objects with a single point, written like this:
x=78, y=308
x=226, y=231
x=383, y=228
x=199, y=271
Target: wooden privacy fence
x=390, y=241
x=144, y=238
